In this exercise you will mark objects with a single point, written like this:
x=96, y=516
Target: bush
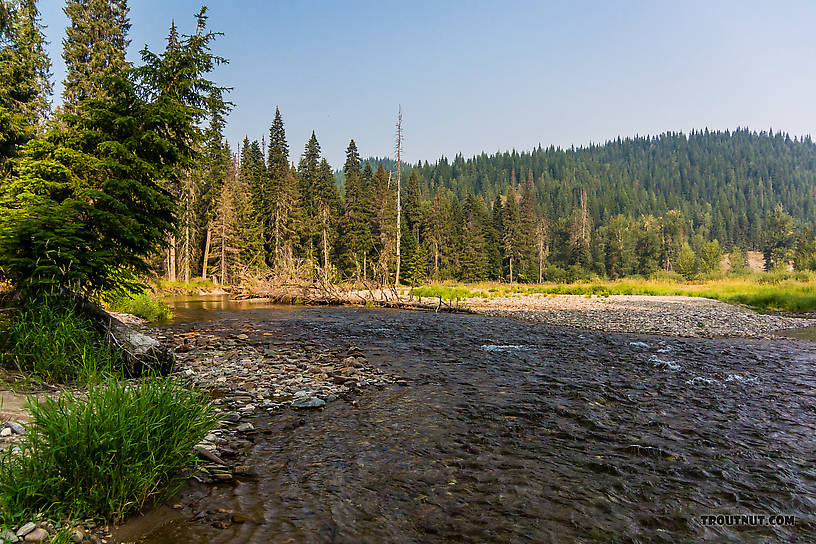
x=48, y=338
x=105, y=456
x=668, y=276
x=144, y=305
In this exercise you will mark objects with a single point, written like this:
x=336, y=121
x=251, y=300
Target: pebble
x=25, y=529
x=245, y=427
x=7, y=536
x=664, y=315
x=310, y=402
x=15, y=427
x=37, y=535
x=5, y=431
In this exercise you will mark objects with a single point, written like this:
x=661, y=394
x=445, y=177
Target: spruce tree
x=94, y=46
x=86, y=207
x=282, y=219
x=24, y=77
x=356, y=240
x=512, y=235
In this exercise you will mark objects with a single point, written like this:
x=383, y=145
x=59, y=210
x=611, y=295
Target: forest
x=631, y=206
x=634, y=206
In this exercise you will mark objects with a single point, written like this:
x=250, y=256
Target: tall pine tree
x=94, y=46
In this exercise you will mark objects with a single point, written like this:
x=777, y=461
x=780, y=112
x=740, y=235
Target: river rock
x=245, y=427
x=308, y=402
x=8, y=537
x=207, y=455
x=25, y=529
x=15, y=427
x=37, y=535
x=77, y=535
x=5, y=431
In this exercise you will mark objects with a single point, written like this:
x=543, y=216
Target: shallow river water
x=515, y=432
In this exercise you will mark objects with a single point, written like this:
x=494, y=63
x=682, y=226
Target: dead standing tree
x=399, y=178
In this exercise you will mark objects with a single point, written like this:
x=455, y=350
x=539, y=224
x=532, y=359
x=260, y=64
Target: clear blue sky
x=474, y=76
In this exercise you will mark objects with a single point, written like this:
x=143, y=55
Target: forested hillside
x=632, y=206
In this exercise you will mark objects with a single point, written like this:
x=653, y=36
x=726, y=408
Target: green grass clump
x=144, y=305
x=46, y=336
x=124, y=446
x=445, y=292
x=774, y=291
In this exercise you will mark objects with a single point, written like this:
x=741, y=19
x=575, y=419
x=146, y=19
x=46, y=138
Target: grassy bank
x=146, y=305
x=46, y=338
x=792, y=292
x=120, y=447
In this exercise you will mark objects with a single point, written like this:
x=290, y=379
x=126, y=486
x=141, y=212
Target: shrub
x=667, y=276
x=107, y=455
x=47, y=337
x=144, y=305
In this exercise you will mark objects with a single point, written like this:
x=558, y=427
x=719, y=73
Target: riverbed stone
x=308, y=402
x=7, y=536
x=37, y=535
x=15, y=427
x=245, y=427
x=25, y=529
x=5, y=432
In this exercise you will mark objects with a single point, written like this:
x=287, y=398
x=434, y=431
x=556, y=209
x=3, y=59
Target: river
x=516, y=432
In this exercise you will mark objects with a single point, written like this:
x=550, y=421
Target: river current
x=515, y=432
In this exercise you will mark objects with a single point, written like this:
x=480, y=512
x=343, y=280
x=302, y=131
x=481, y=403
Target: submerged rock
x=308, y=402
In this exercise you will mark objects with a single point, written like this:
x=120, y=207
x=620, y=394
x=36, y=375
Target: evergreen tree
x=310, y=179
x=385, y=230
x=355, y=227
x=512, y=234
x=85, y=209
x=283, y=218
x=24, y=77
x=805, y=257
x=94, y=46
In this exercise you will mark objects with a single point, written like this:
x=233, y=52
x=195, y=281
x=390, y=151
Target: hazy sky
x=474, y=76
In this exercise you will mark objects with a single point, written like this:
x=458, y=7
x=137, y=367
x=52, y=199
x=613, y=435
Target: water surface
x=516, y=432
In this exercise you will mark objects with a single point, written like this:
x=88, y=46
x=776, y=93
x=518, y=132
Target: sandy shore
x=673, y=316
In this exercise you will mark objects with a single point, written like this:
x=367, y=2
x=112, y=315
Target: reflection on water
x=208, y=307
x=550, y=436
x=805, y=333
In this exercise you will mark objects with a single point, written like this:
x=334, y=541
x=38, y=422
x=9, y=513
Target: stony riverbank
x=250, y=373
x=663, y=315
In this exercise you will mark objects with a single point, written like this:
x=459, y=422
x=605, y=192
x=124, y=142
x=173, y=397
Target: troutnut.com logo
x=753, y=520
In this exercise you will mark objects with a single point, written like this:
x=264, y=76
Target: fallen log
x=143, y=354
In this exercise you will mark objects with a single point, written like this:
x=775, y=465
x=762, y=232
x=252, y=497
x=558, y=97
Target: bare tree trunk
x=187, y=253
x=171, y=262
x=325, y=253
x=365, y=275
x=436, y=258
x=399, y=205
x=223, y=253
x=206, y=253
x=511, y=269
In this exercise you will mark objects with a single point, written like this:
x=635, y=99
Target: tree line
x=549, y=215
x=133, y=174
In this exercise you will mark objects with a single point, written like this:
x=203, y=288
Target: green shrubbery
x=144, y=305
x=48, y=338
x=122, y=447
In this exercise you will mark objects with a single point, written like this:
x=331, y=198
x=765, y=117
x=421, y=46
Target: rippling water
x=516, y=432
